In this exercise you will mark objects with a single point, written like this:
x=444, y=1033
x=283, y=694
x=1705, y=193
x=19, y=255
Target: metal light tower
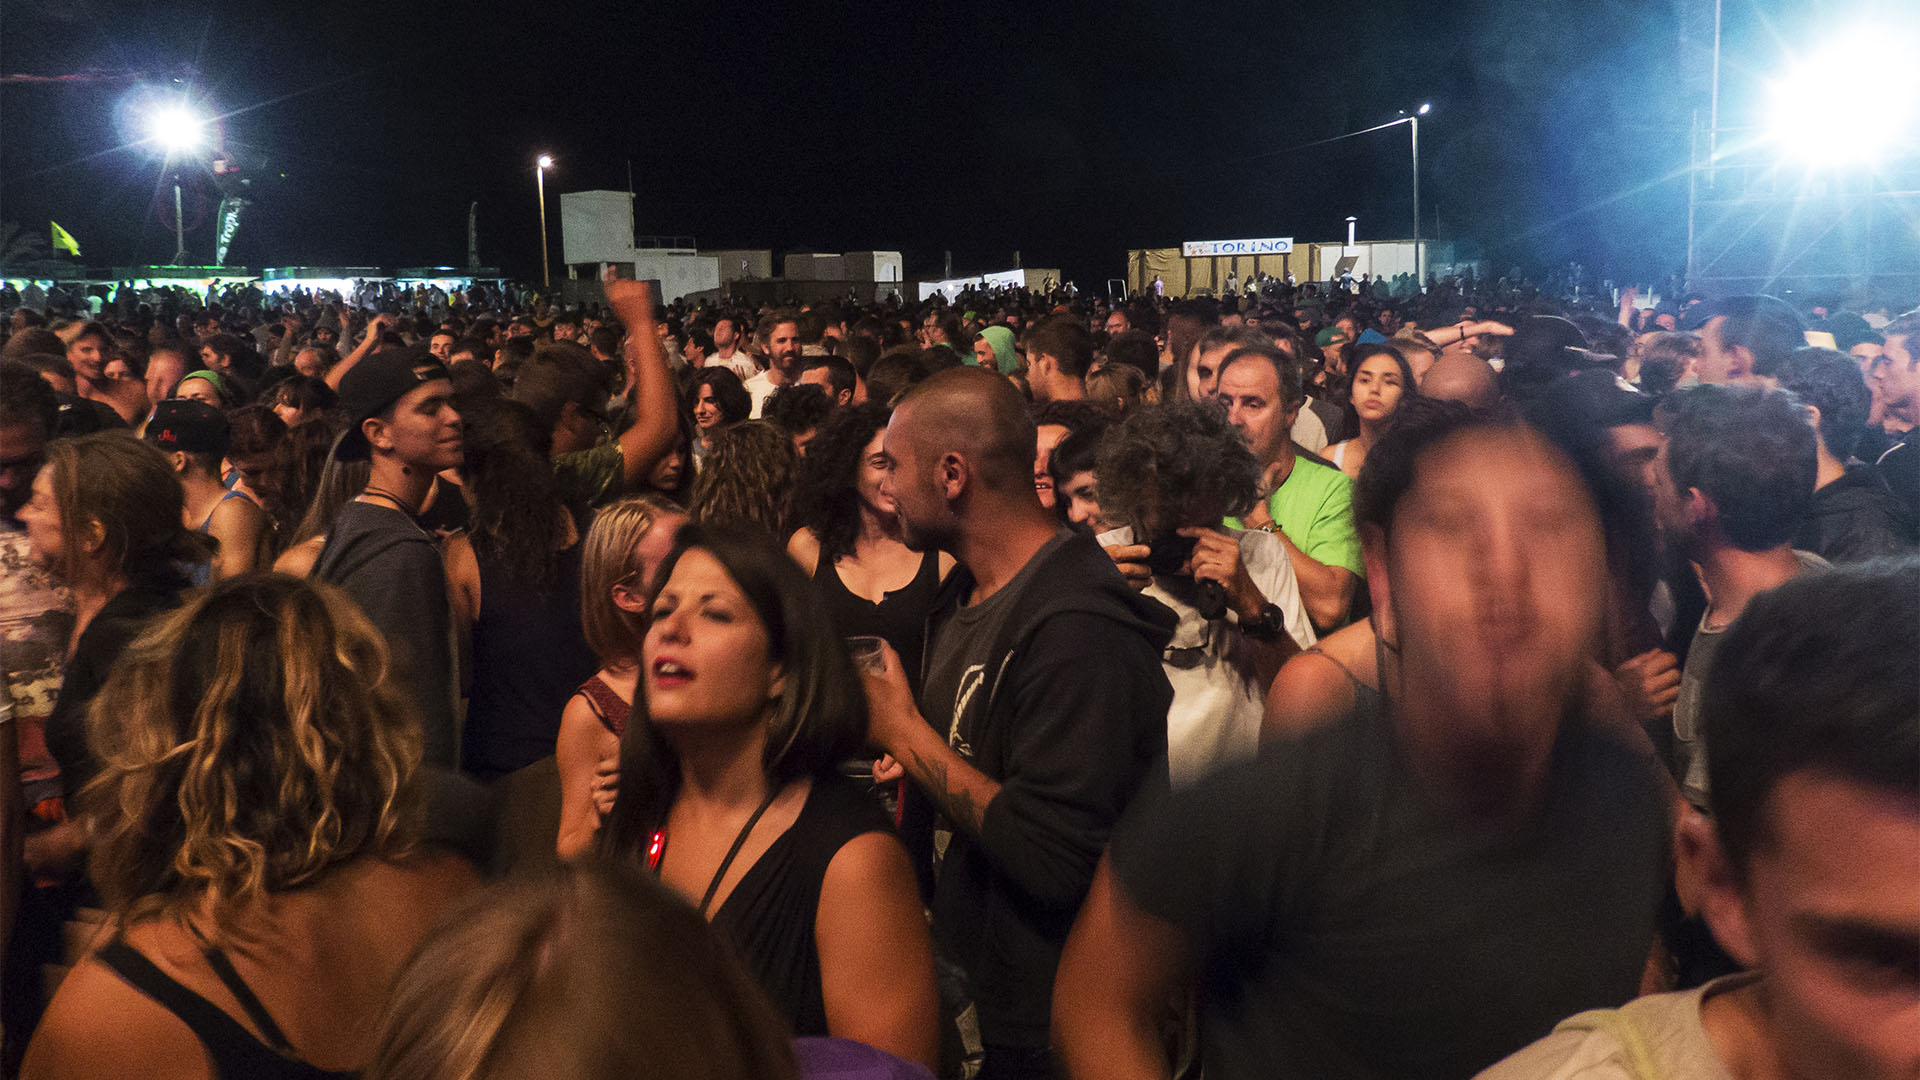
x=540, y=166
x=1413, y=124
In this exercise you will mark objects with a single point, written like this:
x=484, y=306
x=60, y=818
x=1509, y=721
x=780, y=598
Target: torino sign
x=1282, y=245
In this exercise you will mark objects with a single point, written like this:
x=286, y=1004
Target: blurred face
x=309, y=362
x=441, y=346
x=1377, y=389
x=21, y=446
x=1866, y=353
x=706, y=410
x=199, y=390
x=724, y=334
x=983, y=354
x=117, y=368
x=783, y=345
x=1830, y=911
x=1083, y=501
x=651, y=551
x=1632, y=453
x=823, y=379
x=1496, y=637
x=289, y=414
x=88, y=357
x=424, y=429
x=41, y=518
x=1419, y=360
x=1117, y=323
x=1050, y=436
x=1250, y=389
x=213, y=361
x=705, y=660
x=1718, y=363
x=870, y=476
x=667, y=472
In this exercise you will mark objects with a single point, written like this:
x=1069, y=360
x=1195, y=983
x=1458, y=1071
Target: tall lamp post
x=1413, y=126
x=179, y=131
x=540, y=166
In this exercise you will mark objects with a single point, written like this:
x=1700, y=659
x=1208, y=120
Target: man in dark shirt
x=1043, y=709
x=400, y=403
x=1415, y=893
x=1854, y=515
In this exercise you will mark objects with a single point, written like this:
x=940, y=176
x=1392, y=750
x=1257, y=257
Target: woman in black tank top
x=871, y=583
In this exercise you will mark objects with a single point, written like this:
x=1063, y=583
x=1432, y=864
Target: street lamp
x=180, y=131
x=540, y=166
x=1413, y=126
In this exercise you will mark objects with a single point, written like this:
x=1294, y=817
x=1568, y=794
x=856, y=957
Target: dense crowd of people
x=1348, y=679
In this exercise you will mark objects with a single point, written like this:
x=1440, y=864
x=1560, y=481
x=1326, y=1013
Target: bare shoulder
x=298, y=560
x=804, y=547
x=1311, y=691
x=869, y=860
x=99, y=1026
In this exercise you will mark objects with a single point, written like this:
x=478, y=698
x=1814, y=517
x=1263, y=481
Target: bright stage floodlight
x=1845, y=104
x=177, y=129
x=1425, y=108
x=545, y=161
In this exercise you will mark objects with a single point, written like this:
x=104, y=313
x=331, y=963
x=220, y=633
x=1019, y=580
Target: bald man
x=1044, y=704
x=1464, y=378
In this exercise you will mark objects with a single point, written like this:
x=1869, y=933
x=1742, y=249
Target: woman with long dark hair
x=716, y=400
x=728, y=791
x=1382, y=380
x=515, y=579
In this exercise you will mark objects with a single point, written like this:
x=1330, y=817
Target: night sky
x=1070, y=132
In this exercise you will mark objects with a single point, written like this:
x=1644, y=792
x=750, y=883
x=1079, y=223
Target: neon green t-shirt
x=1314, y=508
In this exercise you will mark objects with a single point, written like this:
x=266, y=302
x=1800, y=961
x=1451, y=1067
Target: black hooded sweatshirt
x=1855, y=518
x=1075, y=722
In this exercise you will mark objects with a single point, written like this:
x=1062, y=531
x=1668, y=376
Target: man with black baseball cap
x=194, y=436
x=404, y=423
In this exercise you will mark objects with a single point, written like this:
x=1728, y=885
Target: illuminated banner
x=1278, y=246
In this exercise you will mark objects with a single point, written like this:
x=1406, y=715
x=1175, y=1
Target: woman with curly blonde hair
x=253, y=842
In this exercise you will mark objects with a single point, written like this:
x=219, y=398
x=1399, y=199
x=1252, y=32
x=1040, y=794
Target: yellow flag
x=63, y=240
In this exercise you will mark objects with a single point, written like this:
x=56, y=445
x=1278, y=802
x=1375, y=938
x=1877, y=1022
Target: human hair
x=609, y=557
x=26, y=399
x=1406, y=338
x=560, y=373
x=1364, y=353
x=473, y=382
x=304, y=392
x=798, y=408
x=593, y=970
x=894, y=373
x=1285, y=370
x=840, y=374
x=819, y=719
x=250, y=742
x=1121, y=387
x=1764, y=326
x=729, y=394
x=1066, y=340
x=763, y=330
x=129, y=488
x=340, y=480
x=860, y=351
x=1906, y=326
x=1173, y=465
x=1419, y=425
x=1077, y=453
x=747, y=479
x=827, y=499
x=1831, y=382
x=1134, y=349
x=1749, y=450
x=1664, y=360
x=328, y=355
x=1072, y=415
x=517, y=517
x=1816, y=675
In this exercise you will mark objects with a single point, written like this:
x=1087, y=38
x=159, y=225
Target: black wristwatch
x=1267, y=626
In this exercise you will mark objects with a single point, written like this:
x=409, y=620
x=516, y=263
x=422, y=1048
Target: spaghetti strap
x=1344, y=669
x=611, y=710
x=249, y=1002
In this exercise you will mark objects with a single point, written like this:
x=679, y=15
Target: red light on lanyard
x=656, y=847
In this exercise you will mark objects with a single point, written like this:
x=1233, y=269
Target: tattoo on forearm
x=959, y=805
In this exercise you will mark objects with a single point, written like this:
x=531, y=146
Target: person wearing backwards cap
x=194, y=436
x=399, y=403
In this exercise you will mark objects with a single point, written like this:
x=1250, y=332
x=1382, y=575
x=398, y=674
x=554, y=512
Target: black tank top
x=233, y=1050
x=900, y=618
x=529, y=656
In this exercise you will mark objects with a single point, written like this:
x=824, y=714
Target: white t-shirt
x=1217, y=702
x=741, y=362
x=760, y=388
x=1659, y=1035
x=1309, y=431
